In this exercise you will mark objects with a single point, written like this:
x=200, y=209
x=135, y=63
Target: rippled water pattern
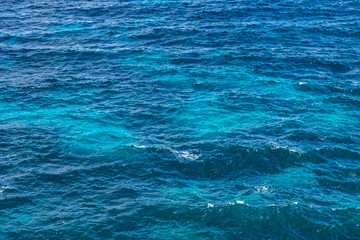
x=189, y=119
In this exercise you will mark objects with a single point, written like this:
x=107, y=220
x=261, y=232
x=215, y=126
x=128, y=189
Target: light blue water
x=179, y=119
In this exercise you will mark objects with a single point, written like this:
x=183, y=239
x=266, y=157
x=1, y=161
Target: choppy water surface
x=181, y=119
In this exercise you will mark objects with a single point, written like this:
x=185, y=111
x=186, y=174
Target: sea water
x=189, y=119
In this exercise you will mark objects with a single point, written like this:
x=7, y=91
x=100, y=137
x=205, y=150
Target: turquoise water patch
x=94, y=131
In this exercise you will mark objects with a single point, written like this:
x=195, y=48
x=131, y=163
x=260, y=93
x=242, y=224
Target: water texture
x=189, y=119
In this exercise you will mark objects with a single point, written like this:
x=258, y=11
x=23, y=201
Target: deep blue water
x=189, y=119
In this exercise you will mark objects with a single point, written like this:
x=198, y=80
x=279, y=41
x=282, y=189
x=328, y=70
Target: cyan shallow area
x=179, y=119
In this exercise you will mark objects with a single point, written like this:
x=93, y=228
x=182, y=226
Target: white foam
x=186, y=154
x=2, y=188
x=139, y=146
x=274, y=145
x=181, y=154
x=209, y=205
x=262, y=189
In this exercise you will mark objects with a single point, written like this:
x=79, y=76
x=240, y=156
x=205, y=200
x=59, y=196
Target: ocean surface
x=189, y=119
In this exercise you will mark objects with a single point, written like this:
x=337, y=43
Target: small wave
x=262, y=189
x=3, y=187
x=180, y=154
x=139, y=146
x=186, y=155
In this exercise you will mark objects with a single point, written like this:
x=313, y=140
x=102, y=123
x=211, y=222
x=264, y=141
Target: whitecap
x=186, y=154
x=139, y=146
x=262, y=189
x=181, y=154
x=3, y=187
